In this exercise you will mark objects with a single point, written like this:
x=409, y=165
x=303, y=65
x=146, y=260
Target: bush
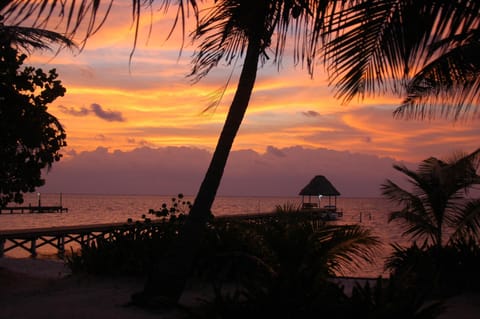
x=280, y=266
x=135, y=248
x=126, y=252
x=443, y=271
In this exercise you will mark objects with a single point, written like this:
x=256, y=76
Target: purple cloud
x=171, y=170
x=71, y=111
x=97, y=110
x=311, y=113
x=110, y=116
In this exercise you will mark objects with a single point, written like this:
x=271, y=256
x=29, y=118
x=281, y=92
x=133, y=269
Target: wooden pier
x=58, y=237
x=33, y=209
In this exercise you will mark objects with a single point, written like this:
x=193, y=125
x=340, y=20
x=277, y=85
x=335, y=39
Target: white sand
x=39, y=288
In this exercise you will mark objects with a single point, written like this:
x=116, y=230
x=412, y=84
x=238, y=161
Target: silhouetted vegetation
x=30, y=137
x=281, y=266
x=132, y=252
x=392, y=299
x=439, y=214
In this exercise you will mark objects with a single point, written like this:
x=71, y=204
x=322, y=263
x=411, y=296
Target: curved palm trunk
x=166, y=283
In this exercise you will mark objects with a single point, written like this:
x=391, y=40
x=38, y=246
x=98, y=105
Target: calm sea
x=93, y=209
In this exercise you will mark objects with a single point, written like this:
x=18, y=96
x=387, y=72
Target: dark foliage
x=129, y=252
x=443, y=271
x=30, y=137
x=135, y=248
x=177, y=206
x=438, y=209
x=392, y=299
x=280, y=266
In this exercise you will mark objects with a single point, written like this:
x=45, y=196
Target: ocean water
x=371, y=213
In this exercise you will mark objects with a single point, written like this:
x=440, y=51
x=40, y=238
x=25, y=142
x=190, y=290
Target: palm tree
x=282, y=266
x=424, y=50
x=437, y=210
x=231, y=29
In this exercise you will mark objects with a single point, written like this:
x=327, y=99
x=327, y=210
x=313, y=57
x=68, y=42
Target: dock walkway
x=33, y=209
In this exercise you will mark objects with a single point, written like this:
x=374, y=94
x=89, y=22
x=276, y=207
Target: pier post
x=61, y=246
x=2, y=246
x=33, y=248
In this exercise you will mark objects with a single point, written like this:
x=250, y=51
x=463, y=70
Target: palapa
x=319, y=185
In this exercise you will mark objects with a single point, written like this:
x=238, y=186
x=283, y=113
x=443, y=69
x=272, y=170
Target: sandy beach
x=42, y=288
x=37, y=288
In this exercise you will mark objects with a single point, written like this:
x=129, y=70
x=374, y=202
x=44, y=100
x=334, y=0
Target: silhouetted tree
x=30, y=137
x=231, y=30
x=437, y=209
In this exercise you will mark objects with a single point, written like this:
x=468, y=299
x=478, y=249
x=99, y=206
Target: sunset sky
x=151, y=103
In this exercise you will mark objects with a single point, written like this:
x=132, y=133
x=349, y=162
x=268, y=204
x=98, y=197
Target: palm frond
x=437, y=201
x=450, y=178
x=375, y=46
x=72, y=15
x=223, y=37
x=83, y=17
x=229, y=23
x=399, y=195
x=419, y=217
x=464, y=169
x=376, y=43
x=33, y=38
x=417, y=225
x=467, y=222
x=346, y=247
x=449, y=85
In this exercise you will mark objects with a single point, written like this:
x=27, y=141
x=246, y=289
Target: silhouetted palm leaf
x=346, y=247
x=425, y=46
x=450, y=84
x=467, y=221
x=225, y=31
x=84, y=17
x=32, y=38
x=436, y=203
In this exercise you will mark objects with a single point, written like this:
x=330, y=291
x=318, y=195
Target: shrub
x=133, y=249
x=442, y=271
x=281, y=267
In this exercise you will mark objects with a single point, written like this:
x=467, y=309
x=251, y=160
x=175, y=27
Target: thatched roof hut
x=319, y=186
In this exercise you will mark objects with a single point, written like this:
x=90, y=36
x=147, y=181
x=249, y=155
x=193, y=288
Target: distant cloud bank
x=171, y=170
